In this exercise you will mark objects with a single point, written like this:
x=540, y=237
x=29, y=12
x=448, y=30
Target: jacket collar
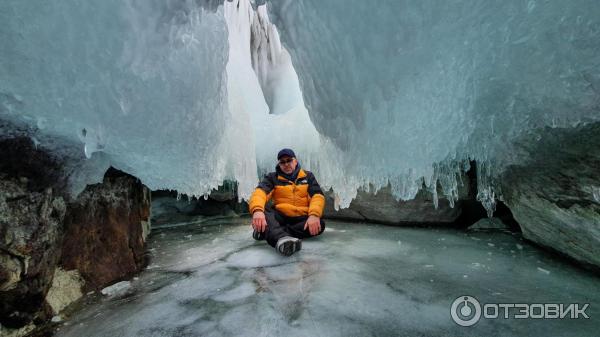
x=297, y=174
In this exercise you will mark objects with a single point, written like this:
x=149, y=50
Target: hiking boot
x=258, y=236
x=288, y=245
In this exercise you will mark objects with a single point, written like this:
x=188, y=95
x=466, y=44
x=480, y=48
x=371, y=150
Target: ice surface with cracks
x=212, y=279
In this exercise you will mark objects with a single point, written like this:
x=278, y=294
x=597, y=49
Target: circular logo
x=465, y=310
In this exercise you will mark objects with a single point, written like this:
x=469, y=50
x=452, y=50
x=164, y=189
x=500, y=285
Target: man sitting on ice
x=298, y=206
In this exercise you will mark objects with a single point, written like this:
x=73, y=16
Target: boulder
x=382, y=207
x=30, y=235
x=66, y=289
x=169, y=208
x=32, y=209
x=489, y=224
x=105, y=230
x=551, y=195
x=99, y=235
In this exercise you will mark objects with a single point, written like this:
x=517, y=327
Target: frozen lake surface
x=212, y=279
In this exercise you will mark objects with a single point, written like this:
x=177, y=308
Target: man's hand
x=258, y=221
x=313, y=223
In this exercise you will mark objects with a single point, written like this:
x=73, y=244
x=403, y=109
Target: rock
x=32, y=209
x=105, y=230
x=56, y=319
x=167, y=208
x=146, y=228
x=101, y=233
x=551, y=195
x=20, y=332
x=66, y=289
x=117, y=289
x=32, y=167
x=225, y=192
x=30, y=234
x=166, y=205
x=382, y=207
x=489, y=223
x=11, y=269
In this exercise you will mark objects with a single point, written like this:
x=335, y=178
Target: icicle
x=596, y=193
x=485, y=189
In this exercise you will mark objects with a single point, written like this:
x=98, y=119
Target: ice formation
x=405, y=89
x=140, y=83
x=185, y=94
x=596, y=193
x=264, y=96
x=171, y=92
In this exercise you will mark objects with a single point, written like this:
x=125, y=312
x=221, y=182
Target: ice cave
x=299, y=168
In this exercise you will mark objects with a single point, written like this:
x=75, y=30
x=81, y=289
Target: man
x=298, y=206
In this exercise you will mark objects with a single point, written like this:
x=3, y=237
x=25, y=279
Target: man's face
x=287, y=164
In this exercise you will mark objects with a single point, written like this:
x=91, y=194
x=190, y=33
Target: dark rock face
x=105, y=230
x=552, y=194
x=101, y=233
x=167, y=208
x=31, y=217
x=382, y=207
x=30, y=232
x=21, y=159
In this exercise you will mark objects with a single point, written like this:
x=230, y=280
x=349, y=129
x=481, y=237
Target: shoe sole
x=290, y=247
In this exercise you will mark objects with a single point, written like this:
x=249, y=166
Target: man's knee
x=271, y=217
x=322, y=227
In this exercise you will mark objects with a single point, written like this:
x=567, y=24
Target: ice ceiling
x=184, y=94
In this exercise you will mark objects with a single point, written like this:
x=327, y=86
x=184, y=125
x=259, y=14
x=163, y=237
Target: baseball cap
x=286, y=152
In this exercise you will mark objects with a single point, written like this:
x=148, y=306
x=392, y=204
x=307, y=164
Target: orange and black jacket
x=292, y=197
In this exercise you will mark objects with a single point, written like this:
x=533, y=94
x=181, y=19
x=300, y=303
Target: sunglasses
x=286, y=161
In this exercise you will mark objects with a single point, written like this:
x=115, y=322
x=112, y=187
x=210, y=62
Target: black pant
x=280, y=225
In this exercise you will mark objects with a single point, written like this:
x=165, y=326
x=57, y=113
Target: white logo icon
x=465, y=310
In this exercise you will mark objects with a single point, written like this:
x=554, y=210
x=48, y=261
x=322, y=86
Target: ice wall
x=264, y=97
x=186, y=93
x=182, y=94
x=140, y=81
x=404, y=88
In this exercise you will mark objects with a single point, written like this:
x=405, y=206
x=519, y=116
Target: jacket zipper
x=294, y=194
